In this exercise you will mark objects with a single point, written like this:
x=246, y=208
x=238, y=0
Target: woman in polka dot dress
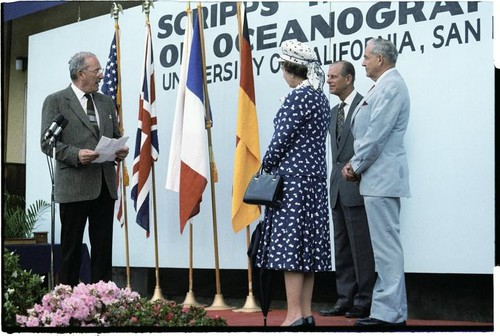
x=296, y=234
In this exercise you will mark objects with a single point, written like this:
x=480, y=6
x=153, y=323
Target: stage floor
x=323, y=323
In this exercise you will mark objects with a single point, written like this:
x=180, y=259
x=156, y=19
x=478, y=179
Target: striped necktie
x=91, y=112
x=340, y=121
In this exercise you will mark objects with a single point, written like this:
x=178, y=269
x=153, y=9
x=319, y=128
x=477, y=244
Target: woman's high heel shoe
x=309, y=321
x=299, y=323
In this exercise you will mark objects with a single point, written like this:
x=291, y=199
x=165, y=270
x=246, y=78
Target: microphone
x=58, y=130
x=56, y=122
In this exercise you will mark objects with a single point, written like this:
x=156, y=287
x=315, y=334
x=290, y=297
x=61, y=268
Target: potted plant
x=18, y=221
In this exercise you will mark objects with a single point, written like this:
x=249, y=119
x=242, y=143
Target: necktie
x=91, y=112
x=340, y=121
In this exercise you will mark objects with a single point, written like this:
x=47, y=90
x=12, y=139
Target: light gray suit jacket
x=73, y=181
x=379, y=126
x=349, y=192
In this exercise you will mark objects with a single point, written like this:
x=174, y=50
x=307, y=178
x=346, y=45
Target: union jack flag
x=146, y=145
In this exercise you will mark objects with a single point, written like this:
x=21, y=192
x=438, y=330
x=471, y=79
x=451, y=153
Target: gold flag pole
x=251, y=304
x=125, y=223
x=146, y=8
x=218, y=303
x=157, y=293
x=116, y=9
x=190, y=300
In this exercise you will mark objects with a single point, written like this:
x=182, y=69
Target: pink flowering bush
x=104, y=305
x=82, y=305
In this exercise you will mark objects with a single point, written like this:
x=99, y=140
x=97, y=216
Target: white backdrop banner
x=446, y=58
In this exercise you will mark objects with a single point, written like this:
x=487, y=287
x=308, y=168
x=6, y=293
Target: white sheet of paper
x=107, y=148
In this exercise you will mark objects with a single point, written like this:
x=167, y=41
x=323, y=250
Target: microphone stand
x=61, y=123
x=52, y=213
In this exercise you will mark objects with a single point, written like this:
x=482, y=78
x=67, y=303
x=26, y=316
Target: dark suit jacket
x=73, y=181
x=349, y=191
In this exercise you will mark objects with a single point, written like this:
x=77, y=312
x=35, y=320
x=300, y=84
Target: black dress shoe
x=373, y=322
x=357, y=312
x=309, y=321
x=335, y=311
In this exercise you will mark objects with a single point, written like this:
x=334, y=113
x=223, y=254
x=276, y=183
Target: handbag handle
x=261, y=170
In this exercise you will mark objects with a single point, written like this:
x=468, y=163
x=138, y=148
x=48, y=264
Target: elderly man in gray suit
x=83, y=189
x=380, y=166
x=354, y=264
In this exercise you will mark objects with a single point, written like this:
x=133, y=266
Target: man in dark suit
x=83, y=189
x=354, y=263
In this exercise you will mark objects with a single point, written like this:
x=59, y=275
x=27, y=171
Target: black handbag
x=264, y=189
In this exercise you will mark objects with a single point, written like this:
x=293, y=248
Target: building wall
x=15, y=130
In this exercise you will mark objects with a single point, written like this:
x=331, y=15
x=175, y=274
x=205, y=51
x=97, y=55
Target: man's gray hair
x=385, y=48
x=78, y=62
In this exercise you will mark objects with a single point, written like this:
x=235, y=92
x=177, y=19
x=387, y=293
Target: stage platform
x=254, y=320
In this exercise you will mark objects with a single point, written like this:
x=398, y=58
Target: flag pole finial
x=116, y=9
x=146, y=8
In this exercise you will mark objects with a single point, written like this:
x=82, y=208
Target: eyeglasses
x=98, y=71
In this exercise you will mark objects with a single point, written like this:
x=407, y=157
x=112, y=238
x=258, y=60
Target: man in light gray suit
x=380, y=166
x=354, y=264
x=83, y=189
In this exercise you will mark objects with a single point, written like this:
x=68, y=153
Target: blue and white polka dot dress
x=296, y=234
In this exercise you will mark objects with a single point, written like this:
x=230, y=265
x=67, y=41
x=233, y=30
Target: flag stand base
x=190, y=300
x=250, y=306
x=157, y=295
x=219, y=304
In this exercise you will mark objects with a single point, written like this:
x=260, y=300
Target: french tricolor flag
x=188, y=162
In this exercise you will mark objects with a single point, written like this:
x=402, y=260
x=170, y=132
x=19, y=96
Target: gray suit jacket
x=73, y=181
x=379, y=126
x=349, y=192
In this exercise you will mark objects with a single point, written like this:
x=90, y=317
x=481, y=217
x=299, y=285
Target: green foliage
x=142, y=312
x=21, y=289
x=18, y=222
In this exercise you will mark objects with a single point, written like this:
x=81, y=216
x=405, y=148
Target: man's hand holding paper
x=111, y=149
